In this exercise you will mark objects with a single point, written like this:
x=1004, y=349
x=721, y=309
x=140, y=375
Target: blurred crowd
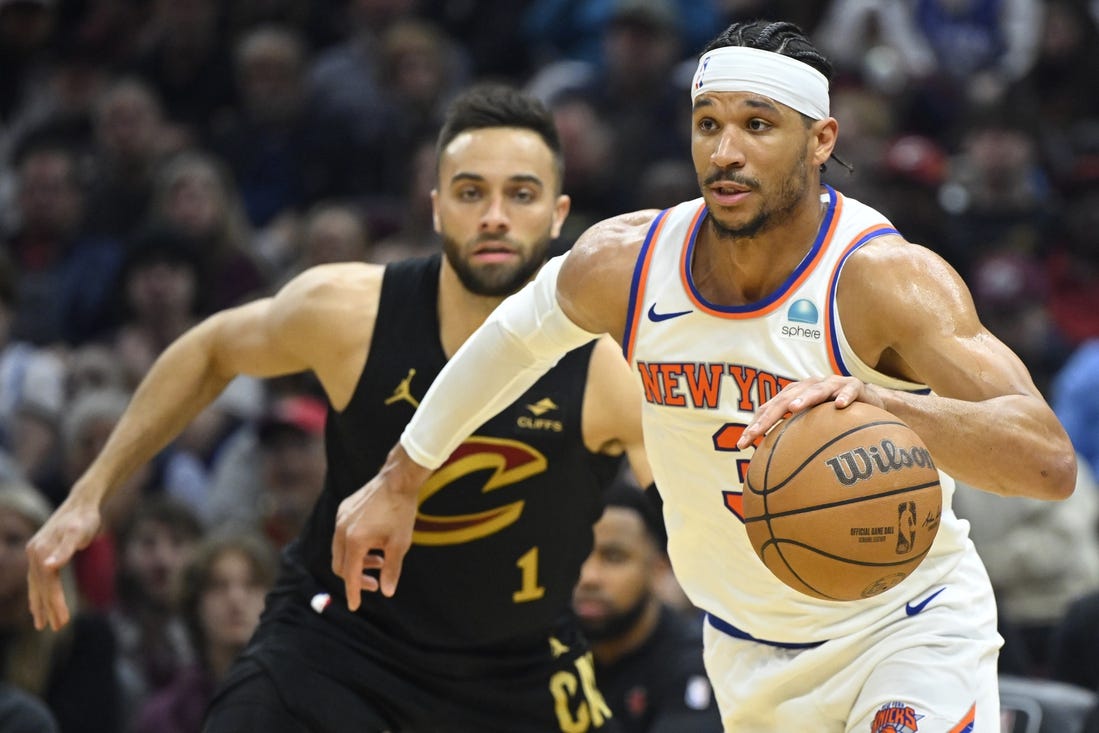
x=161, y=160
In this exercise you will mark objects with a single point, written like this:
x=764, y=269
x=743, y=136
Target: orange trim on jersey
x=638, y=309
x=789, y=288
x=685, y=249
x=966, y=722
x=829, y=306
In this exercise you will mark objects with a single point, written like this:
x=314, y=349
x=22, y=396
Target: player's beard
x=790, y=195
x=617, y=624
x=495, y=280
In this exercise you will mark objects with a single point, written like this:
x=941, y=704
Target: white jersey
x=705, y=369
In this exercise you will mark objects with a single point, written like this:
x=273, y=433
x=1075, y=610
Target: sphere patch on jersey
x=803, y=311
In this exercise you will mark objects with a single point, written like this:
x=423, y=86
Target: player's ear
x=822, y=139
x=561, y=210
x=435, y=211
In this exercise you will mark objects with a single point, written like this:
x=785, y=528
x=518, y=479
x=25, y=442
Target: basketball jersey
x=705, y=369
x=502, y=527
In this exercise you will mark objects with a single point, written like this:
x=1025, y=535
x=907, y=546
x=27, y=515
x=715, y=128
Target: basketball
x=842, y=504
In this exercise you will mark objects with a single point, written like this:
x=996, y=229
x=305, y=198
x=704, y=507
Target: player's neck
x=460, y=311
x=732, y=270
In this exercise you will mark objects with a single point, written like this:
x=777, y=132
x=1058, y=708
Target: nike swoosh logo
x=913, y=608
x=657, y=317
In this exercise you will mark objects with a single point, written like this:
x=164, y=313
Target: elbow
x=1058, y=475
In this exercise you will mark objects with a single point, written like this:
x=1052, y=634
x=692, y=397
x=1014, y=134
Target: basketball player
x=481, y=636
x=769, y=294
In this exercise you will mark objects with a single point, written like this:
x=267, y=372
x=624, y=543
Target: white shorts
x=932, y=672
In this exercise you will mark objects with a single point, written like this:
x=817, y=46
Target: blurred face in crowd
x=159, y=290
x=155, y=556
x=269, y=71
x=293, y=465
x=616, y=581
x=334, y=235
x=497, y=207
x=129, y=122
x=50, y=201
x=231, y=603
x=196, y=200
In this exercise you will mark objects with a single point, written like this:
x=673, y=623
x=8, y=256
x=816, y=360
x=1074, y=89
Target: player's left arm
x=612, y=409
x=906, y=312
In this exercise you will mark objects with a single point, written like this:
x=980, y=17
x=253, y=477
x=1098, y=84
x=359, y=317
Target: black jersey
x=661, y=687
x=503, y=526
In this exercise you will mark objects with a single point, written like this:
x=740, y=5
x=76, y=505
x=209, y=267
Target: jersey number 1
x=529, y=590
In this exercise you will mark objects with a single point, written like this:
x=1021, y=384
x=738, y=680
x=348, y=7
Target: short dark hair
x=626, y=495
x=778, y=36
x=499, y=105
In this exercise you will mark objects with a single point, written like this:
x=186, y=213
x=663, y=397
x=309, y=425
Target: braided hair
x=780, y=37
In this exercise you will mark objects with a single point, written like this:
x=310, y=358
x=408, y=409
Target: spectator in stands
x=186, y=59
x=196, y=195
x=131, y=139
x=648, y=657
x=71, y=670
x=153, y=646
x=292, y=464
x=220, y=599
x=284, y=153
x=65, y=275
x=31, y=378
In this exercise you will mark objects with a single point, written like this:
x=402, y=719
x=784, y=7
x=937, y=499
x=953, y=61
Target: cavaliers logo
x=509, y=461
x=896, y=717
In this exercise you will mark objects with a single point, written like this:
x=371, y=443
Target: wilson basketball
x=842, y=504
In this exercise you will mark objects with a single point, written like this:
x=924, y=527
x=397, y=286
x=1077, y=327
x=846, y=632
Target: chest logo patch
x=403, y=391
x=507, y=461
x=802, y=321
x=539, y=421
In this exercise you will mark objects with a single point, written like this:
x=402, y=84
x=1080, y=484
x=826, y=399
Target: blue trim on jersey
x=832, y=299
x=832, y=292
x=806, y=261
x=635, y=283
x=727, y=628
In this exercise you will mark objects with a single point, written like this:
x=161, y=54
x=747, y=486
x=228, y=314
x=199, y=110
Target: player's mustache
x=730, y=177
x=482, y=238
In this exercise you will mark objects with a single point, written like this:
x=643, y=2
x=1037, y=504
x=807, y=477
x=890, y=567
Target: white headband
x=783, y=79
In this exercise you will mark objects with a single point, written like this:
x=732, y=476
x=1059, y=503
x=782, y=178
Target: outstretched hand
x=374, y=528
x=71, y=528
x=799, y=396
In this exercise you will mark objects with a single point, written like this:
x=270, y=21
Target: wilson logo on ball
x=859, y=464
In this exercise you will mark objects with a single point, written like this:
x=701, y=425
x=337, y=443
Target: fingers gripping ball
x=842, y=504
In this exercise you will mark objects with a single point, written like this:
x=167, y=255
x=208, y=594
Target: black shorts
x=296, y=679
x=249, y=700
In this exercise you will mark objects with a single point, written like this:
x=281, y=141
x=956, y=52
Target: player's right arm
x=322, y=320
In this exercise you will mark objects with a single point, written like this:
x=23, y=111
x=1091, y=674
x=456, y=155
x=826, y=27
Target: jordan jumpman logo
x=404, y=391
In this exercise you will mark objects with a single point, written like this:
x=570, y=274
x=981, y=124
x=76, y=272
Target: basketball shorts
x=929, y=667
x=296, y=679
